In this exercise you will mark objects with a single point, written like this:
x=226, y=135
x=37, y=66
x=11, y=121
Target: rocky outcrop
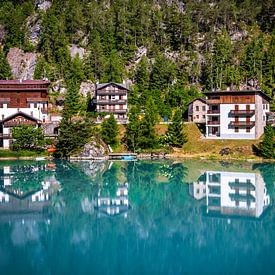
x=22, y=64
x=95, y=149
x=74, y=50
x=43, y=5
x=86, y=88
x=33, y=29
x=3, y=33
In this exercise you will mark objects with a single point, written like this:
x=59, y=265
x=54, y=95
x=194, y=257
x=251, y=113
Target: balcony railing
x=242, y=112
x=213, y=112
x=111, y=92
x=110, y=101
x=5, y=135
x=116, y=111
x=242, y=123
x=213, y=122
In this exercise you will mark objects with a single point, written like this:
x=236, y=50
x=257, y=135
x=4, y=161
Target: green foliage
x=132, y=134
x=175, y=135
x=109, y=131
x=267, y=146
x=5, y=70
x=73, y=135
x=28, y=137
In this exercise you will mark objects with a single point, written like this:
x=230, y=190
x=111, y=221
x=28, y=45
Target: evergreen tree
x=175, y=135
x=73, y=135
x=148, y=137
x=109, y=131
x=5, y=70
x=132, y=133
x=267, y=146
x=94, y=64
x=114, y=70
x=28, y=137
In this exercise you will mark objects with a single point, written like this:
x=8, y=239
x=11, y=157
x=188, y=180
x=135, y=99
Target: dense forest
x=171, y=50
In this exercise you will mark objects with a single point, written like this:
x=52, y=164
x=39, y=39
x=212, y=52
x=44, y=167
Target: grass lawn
x=21, y=154
x=197, y=145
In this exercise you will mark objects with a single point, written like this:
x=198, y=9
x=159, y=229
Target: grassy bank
x=199, y=147
x=5, y=154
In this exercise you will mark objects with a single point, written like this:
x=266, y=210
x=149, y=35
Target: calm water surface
x=161, y=217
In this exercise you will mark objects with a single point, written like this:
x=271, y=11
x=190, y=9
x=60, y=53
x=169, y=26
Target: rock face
x=43, y=5
x=95, y=149
x=22, y=64
x=33, y=29
x=3, y=33
x=87, y=87
x=74, y=50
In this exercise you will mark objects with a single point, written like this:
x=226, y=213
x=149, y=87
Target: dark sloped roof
x=202, y=99
x=21, y=114
x=103, y=85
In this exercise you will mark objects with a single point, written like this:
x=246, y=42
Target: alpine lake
x=137, y=217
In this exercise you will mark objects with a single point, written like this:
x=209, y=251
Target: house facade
x=236, y=114
x=21, y=102
x=197, y=110
x=112, y=98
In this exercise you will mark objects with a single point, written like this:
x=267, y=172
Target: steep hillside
x=170, y=49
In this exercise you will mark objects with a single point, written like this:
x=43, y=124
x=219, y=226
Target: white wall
x=229, y=133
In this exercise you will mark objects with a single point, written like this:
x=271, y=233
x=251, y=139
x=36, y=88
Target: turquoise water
x=138, y=217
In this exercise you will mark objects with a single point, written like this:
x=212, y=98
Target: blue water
x=138, y=217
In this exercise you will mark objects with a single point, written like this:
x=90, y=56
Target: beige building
x=197, y=110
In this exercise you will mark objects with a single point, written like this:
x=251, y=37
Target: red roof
x=26, y=82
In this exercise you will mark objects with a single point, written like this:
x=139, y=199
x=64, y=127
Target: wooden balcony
x=213, y=112
x=111, y=92
x=242, y=112
x=5, y=136
x=213, y=122
x=242, y=123
x=110, y=101
x=114, y=111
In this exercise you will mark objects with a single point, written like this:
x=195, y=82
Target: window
x=35, y=105
x=263, y=106
x=248, y=107
x=203, y=108
x=203, y=116
x=1, y=105
x=263, y=118
x=236, y=129
x=247, y=129
x=197, y=116
x=197, y=108
x=236, y=107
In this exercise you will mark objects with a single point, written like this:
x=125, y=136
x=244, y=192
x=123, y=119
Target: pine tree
x=175, y=135
x=5, y=70
x=267, y=146
x=132, y=134
x=114, y=69
x=109, y=131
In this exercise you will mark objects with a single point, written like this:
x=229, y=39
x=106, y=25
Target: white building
x=21, y=102
x=236, y=114
x=112, y=98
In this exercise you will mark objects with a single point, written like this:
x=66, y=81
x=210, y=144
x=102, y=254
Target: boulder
x=95, y=149
x=74, y=50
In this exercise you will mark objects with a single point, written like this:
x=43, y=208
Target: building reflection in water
x=26, y=189
x=117, y=204
x=231, y=193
